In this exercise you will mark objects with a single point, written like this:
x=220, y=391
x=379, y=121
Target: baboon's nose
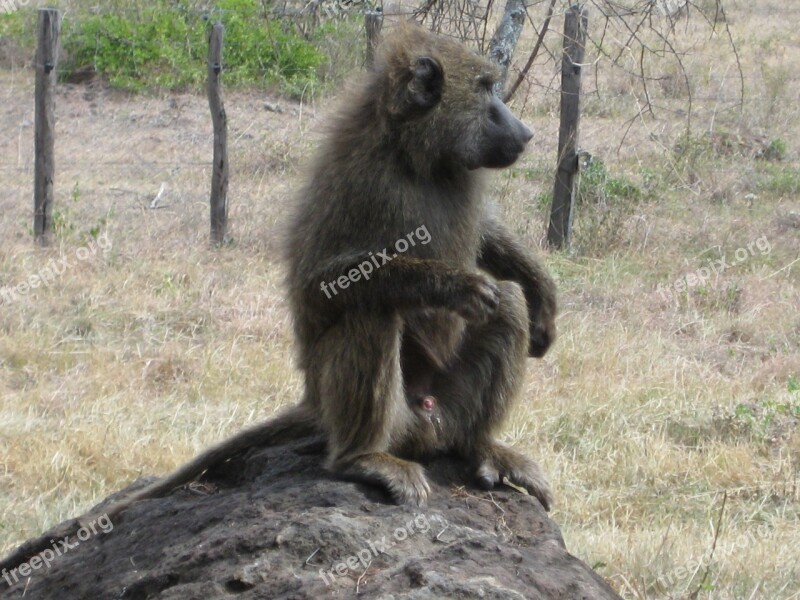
x=526, y=134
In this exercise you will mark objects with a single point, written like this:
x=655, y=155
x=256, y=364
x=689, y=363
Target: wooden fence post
x=576, y=25
x=373, y=23
x=45, y=122
x=220, y=172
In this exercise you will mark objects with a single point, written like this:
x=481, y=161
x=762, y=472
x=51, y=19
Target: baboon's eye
x=485, y=83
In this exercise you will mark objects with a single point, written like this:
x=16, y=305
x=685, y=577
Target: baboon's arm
x=504, y=257
x=403, y=283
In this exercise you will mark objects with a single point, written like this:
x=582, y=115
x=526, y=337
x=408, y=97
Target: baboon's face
x=501, y=136
x=444, y=97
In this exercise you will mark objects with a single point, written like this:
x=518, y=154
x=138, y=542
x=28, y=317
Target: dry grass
x=651, y=407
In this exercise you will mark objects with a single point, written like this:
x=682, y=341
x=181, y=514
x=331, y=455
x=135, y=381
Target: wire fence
x=612, y=75
x=634, y=43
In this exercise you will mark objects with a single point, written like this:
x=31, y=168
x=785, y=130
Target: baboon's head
x=439, y=98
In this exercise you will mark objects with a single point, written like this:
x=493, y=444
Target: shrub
x=776, y=150
x=164, y=46
x=17, y=39
x=781, y=181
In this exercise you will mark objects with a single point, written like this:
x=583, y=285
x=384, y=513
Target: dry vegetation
x=650, y=409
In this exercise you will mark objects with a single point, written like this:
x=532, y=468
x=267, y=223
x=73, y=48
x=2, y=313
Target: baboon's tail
x=297, y=422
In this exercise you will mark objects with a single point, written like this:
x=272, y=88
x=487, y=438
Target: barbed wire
x=128, y=164
x=632, y=20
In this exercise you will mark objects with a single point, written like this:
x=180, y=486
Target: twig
x=511, y=484
x=493, y=501
x=695, y=593
x=791, y=264
x=358, y=583
x=313, y=554
x=157, y=199
x=534, y=53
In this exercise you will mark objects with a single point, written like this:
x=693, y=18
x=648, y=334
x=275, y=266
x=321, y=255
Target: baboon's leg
x=363, y=404
x=477, y=391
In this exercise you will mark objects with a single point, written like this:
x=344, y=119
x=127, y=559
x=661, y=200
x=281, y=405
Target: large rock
x=274, y=524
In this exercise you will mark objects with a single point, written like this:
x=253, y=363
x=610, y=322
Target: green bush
x=164, y=46
x=257, y=48
x=776, y=150
x=781, y=181
x=17, y=39
x=159, y=50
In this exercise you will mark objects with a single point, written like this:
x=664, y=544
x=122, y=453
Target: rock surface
x=274, y=525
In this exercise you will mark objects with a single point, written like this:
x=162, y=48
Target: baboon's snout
x=525, y=133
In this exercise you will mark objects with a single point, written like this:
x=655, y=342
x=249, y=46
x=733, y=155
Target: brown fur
x=454, y=318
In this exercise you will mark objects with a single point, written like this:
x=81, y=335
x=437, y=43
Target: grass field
x=674, y=387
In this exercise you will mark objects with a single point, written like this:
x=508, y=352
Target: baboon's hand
x=542, y=335
x=478, y=299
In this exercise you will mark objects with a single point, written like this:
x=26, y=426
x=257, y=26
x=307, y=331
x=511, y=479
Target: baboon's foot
x=499, y=463
x=409, y=485
x=404, y=480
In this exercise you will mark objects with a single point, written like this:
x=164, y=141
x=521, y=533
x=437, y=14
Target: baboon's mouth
x=503, y=157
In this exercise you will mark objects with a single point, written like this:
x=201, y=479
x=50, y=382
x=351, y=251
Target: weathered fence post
x=45, y=122
x=373, y=23
x=219, y=174
x=576, y=25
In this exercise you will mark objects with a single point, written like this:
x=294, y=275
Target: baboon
x=423, y=351
x=416, y=348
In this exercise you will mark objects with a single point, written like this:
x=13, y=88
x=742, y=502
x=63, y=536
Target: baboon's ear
x=425, y=87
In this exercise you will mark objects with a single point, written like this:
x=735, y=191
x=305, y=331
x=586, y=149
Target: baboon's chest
x=452, y=222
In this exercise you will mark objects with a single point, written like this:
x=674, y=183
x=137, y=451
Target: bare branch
x=534, y=52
